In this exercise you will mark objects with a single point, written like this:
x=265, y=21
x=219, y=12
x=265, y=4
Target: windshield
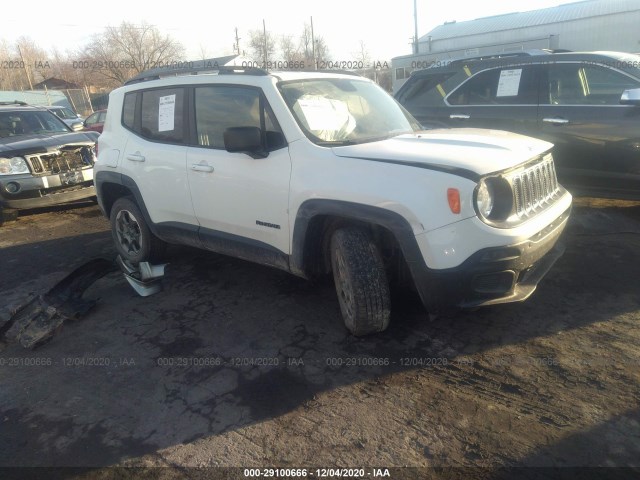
x=65, y=113
x=29, y=123
x=340, y=111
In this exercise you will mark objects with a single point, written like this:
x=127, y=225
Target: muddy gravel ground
x=238, y=365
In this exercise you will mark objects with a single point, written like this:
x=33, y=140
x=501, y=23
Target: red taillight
x=453, y=196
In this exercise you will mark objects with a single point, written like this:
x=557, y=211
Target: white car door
x=155, y=156
x=238, y=199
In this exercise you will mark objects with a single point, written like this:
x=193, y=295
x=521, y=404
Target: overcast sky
x=385, y=27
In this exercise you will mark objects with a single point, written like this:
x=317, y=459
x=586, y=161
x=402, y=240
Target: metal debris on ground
x=37, y=321
x=145, y=279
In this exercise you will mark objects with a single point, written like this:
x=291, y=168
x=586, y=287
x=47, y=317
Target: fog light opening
x=12, y=187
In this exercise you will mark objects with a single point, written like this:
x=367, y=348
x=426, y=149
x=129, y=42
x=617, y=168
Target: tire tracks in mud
x=476, y=380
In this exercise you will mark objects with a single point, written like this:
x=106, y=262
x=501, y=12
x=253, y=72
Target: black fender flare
x=172, y=233
x=391, y=221
x=116, y=178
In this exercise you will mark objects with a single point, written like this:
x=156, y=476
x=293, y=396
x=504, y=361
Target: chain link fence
x=77, y=98
x=80, y=101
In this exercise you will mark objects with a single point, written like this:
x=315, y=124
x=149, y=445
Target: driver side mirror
x=630, y=97
x=245, y=140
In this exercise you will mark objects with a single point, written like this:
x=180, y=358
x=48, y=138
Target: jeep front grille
x=534, y=187
x=60, y=161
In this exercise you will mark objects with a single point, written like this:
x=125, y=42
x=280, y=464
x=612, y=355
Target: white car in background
x=68, y=116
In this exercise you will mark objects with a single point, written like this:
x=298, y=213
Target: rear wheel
x=361, y=281
x=133, y=239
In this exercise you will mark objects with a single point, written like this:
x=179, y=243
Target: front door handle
x=201, y=168
x=556, y=121
x=459, y=116
x=136, y=157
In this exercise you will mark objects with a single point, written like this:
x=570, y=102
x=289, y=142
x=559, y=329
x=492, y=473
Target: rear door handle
x=201, y=168
x=556, y=121
x=459, y=116
x=135, y=157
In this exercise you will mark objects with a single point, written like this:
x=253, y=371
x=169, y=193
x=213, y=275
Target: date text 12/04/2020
x=316, y=472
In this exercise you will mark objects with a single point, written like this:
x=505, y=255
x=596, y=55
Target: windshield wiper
x=336, y=143
x=342, y=143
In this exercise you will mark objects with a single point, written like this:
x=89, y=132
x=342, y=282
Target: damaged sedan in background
x=43, y=162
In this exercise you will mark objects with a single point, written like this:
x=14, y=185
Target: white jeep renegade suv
x=315, y=173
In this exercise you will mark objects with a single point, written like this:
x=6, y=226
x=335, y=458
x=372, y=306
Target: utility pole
x=415, y=26
x=313, y=47
x=264, y=29
x=236, y=46
x=26, y=70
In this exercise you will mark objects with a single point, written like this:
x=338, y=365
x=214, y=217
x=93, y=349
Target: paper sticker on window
x=322, y=113
x=166, y=113
x=509, y=83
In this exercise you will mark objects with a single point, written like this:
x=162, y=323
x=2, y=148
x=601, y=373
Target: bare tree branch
x=120, y=53
x=258, y=43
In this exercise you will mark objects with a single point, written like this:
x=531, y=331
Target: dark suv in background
x=42, y=161
x=587, y=104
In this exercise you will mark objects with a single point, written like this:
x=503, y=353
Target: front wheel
x=7, y=214
x=133, y=239
x=361, y=281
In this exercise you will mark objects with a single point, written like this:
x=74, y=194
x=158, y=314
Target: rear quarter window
x=425, y=90
x=129, y=110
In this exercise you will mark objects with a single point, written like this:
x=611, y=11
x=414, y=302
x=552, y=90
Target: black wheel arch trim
x=102, y=178
x=99, y=180
x=392, y=221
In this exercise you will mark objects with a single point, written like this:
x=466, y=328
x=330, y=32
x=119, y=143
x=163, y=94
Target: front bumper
x=493, y=275
x=28, y=191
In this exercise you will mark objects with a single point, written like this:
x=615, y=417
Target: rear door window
x=512, y=85
x=163, y=115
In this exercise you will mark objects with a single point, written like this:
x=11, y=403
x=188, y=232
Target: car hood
x=31, y=144
x=472, y=150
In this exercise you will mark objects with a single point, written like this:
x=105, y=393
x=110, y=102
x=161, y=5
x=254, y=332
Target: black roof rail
x=193, y=68
x=233, y=69
x=496, y=56
x=15, y=102
x=332, y=70
x=321, y=70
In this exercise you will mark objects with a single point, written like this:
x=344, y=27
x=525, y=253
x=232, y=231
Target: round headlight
x=484, y=199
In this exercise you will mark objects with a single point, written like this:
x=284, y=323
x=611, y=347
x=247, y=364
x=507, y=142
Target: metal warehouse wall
x=618, y=32
x=583, y=26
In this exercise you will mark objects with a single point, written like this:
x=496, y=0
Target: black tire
x=7, y=215
x=131, y=235
x=361, y=281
